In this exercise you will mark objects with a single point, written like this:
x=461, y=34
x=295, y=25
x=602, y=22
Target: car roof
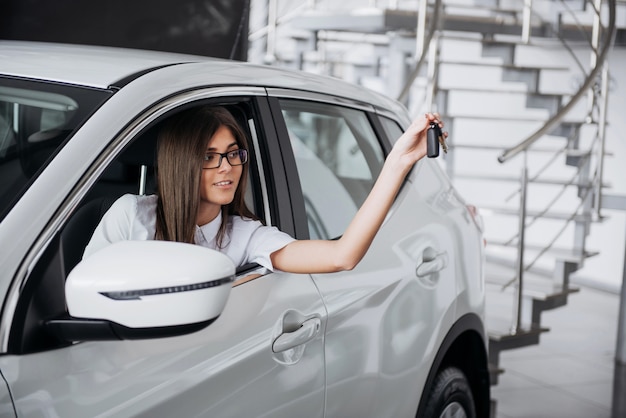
x=105, y=67
x=94, y=66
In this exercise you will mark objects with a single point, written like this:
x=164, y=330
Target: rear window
x=36, y=120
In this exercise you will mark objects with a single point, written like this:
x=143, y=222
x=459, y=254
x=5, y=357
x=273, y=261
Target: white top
x=133, y=217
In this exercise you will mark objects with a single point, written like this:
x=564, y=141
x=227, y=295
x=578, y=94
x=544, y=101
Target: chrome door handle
x=432, y=262
x=309, y=329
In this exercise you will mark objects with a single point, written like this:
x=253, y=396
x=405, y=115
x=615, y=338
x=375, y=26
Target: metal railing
x=598, y=60
x=597, y=93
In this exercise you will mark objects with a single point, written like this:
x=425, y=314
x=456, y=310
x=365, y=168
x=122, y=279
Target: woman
x=202, y=172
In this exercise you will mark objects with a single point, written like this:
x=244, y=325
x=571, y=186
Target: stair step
x=505, y=132
x=533, y=213
x=537, y=284
x=503, y=340
x=502, y=295
x=484, y=19
x=543, y=292
x=472, y=7
x=506, y=340
x=504, y=65
x=501, y=148
x=541, y=282
x=514, y=105
x=516, y=40
x=557, y=299
x=560, y=252
x=516, y=179
x=504, y=40
x=567, y=152
x=514, y=118
x=504, y=87
x=489, y=23
x=369, y=20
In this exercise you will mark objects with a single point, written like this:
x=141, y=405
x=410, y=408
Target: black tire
x=450, y=396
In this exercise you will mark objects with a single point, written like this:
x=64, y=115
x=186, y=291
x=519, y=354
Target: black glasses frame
x=240, y=158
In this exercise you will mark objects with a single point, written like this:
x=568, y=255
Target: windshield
x=36, y=119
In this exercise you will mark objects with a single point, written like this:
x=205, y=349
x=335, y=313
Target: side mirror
x=144, y=289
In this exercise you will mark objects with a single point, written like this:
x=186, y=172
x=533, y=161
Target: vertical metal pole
x=517, y=307
x=602, y=135
x=526, y=18
x=620, y=351
x=143, y=174
x=595, y=32
x=420, y=31
x=272, y=16
x=618, y=408
x=595, y=42
x=433, y=67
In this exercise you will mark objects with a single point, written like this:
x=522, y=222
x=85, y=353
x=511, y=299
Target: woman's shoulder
x=133, y=205
x=130, y=200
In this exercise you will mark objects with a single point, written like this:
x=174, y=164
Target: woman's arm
x=320, y=256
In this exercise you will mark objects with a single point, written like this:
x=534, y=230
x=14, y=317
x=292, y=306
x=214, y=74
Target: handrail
x=523, y=145
x=597, y=64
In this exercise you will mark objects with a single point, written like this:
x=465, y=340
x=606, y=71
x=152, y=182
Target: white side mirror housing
x=145, y=289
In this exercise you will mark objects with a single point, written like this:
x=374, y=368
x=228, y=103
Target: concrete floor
x=571, y=372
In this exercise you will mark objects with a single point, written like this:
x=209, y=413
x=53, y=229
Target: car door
x=231, y=368
x=6, y=404
x=386, y=316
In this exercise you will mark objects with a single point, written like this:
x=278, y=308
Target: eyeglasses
x=235, y=157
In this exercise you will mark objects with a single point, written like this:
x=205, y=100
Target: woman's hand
x=411, y=146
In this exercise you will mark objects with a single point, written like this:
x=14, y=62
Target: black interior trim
x=291, y=178
x=77, y=329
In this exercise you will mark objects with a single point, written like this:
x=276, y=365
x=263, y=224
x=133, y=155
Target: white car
x=157, y=329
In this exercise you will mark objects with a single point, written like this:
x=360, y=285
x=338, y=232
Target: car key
x=433, y=140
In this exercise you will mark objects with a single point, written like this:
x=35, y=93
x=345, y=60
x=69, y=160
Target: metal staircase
x=523, y=89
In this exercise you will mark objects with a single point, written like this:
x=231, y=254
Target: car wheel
x=450, y=396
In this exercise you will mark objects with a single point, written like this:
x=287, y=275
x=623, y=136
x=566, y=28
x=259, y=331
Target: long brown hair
x=182, y=144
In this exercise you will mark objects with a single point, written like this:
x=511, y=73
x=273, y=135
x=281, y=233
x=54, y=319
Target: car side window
x=391, y=128
x=35, y=121
x=338, y=158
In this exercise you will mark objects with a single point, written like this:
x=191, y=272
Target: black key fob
x=432, y=140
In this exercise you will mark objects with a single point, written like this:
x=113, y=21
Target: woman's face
x=218, y=185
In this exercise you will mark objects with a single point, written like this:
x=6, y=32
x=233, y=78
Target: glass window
x=392, y=129
x=338, y=158
x=35, y=120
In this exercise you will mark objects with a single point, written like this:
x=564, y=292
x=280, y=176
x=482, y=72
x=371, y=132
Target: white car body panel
x=416, y=312
x=163, y=377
